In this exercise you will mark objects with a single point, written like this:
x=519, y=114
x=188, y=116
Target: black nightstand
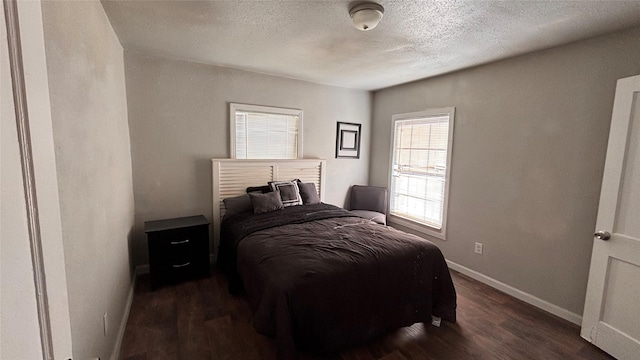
x=178, y=249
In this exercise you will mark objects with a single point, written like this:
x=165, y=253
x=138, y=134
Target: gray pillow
x=289, y=193
x=261, y=189
x=237, y=204
x=267, y=202
x=308, y=193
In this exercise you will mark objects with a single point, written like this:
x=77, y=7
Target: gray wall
x=93, y=160
x=179, y=120
x=529, y=147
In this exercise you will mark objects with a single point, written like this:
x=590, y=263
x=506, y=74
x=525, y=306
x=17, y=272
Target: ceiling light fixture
x=366, y=16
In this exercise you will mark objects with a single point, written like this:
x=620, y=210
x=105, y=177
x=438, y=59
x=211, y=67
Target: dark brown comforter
x=335, y=280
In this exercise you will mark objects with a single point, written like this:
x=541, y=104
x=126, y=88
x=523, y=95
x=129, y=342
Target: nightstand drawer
x=174, y=272
x=178, y=249
x=178, y=245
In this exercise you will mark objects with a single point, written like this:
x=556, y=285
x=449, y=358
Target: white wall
x=179, y=120
x=93, y=162
x=528, y=154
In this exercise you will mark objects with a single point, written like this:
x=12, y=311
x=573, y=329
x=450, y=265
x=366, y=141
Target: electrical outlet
x=478, y=248
x=105, y=323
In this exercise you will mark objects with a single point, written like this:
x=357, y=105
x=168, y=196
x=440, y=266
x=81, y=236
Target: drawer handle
x=182, y=265
x=180, y=242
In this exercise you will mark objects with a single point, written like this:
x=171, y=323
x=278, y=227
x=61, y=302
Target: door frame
x=30, y=87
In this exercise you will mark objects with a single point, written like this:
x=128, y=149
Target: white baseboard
x=518, y=294
x=115, y=354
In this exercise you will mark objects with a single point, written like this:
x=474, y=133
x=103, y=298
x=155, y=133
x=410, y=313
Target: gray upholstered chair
x=370, y=202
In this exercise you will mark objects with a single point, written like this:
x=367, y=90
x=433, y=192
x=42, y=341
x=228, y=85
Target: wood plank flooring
x=200, y=320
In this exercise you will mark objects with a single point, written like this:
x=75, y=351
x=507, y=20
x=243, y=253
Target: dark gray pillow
x=261, y=189
x=237, y=204
x=289, y=193
x=267, y=202
x=308, y=193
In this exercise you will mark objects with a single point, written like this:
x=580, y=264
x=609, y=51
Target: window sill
x=421, y=228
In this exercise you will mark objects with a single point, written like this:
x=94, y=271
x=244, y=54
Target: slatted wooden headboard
x=231, y=177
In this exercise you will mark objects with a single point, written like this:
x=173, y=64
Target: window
x=420, y=169
x=265, y=132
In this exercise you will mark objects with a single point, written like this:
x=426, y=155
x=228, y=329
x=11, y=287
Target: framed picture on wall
x=348, y=140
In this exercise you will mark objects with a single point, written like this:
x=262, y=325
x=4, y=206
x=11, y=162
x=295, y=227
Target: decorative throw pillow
x=261, y=189
x=308, y=193
x=267, y=202
x=237, y=204
x=289, y=192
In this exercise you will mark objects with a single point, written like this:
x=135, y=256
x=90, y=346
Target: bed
x=319, y=278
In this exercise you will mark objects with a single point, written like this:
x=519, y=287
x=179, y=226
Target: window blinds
x=419, y=169
x=266, y=136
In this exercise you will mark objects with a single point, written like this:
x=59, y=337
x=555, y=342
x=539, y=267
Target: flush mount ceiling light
x=366, y=16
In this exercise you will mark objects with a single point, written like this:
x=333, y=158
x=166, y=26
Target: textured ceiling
x=315, y=40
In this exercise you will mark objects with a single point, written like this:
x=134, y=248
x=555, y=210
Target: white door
x=611, y=317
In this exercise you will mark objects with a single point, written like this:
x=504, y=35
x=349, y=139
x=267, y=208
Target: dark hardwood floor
x=200, y=320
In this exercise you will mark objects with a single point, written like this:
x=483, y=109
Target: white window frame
x=411, y=223
x=234, y=107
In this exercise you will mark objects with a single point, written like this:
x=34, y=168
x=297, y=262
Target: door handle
x=602, y=235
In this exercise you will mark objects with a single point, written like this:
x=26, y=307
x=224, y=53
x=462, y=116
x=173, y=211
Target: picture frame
x=348, y=140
